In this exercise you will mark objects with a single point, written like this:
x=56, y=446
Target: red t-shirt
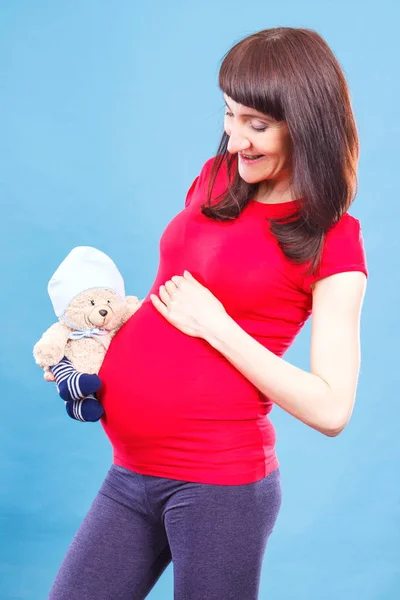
x=175, y=407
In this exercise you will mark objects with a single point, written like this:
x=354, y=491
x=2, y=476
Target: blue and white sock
x=85, y=409
x=72, y=384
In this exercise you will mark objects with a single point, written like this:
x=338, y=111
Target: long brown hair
x=292, y=75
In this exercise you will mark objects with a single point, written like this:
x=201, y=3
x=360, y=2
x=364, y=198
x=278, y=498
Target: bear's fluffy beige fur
x=101, y=308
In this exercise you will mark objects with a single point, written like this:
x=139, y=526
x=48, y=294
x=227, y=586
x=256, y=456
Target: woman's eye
x=259, y=126
x=260, y=129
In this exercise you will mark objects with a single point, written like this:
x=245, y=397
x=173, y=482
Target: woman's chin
x=252, y=177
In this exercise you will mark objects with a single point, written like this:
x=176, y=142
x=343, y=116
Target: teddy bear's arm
x=134, y=301
x=50, y=349
x=133, y=305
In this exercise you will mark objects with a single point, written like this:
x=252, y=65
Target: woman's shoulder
x=344, y=245
x=347, y=223
x=199, y=185
x=343, y=250
x=207, y=166
x=346, y=232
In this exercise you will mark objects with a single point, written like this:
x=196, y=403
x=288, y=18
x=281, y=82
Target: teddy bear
x=88, y=296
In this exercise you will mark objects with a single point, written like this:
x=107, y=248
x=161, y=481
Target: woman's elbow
x=334, y=428
x=333, y=432
x=336, y=416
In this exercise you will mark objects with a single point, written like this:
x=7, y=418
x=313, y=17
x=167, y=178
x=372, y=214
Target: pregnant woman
x=189, y=381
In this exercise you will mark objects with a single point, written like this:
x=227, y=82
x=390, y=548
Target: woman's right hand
x=48, y=376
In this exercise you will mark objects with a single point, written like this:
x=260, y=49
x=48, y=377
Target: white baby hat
x=84, y=268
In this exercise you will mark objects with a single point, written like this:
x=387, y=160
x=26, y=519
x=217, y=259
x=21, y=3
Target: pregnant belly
x=157, y=378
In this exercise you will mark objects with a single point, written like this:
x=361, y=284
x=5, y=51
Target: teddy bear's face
x=97, y=307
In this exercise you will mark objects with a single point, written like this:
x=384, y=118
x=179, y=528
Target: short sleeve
x=343, y=251
x=191, y=191
x=199, y=182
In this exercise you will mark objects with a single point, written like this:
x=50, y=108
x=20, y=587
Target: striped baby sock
x=85, y=409
x=72, y=384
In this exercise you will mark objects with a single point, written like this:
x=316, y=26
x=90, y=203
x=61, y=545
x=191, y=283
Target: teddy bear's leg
x=72, y=384
x=85, y=409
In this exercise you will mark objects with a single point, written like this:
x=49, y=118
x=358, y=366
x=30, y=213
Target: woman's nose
x=237, y=143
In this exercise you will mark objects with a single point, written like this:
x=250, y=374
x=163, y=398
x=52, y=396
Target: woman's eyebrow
x=255, y=114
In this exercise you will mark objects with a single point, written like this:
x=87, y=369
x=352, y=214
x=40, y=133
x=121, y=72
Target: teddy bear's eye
x=109, y=301
x=92, y=302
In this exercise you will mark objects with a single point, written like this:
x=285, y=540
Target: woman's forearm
x=304, y=395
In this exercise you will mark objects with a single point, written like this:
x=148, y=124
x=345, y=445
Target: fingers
x=164, y=293
x=170, y=287
x=48, y=376
x=177, y=279
x=159, y=305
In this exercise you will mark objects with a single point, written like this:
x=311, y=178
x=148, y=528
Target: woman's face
x=256, y=134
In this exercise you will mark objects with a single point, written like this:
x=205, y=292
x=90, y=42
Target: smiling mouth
x=250, y=159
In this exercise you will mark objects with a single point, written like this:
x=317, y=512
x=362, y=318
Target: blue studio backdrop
x=108, y=111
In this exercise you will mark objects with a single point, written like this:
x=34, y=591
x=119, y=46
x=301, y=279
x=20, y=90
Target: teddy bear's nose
x=103, y=312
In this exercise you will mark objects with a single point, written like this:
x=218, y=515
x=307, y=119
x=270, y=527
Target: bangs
x=251, y=76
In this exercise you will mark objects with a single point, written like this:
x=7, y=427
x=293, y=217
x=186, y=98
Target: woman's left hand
x=189, y=306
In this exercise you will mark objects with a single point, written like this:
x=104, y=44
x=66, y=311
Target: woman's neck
x=274, y=192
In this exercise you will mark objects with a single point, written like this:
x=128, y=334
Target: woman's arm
x=324, y=398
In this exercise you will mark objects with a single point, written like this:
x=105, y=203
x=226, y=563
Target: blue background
x=108, y=111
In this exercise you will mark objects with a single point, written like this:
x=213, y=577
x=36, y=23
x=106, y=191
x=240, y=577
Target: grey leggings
x=215, y=535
